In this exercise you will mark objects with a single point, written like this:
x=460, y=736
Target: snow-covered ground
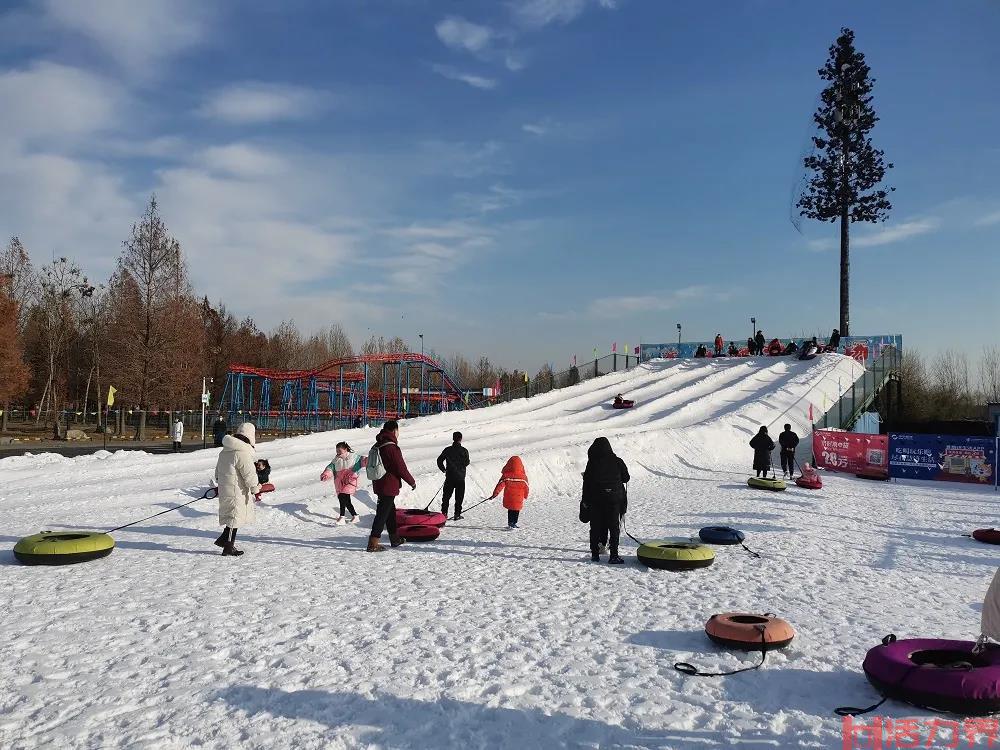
x=486, y=638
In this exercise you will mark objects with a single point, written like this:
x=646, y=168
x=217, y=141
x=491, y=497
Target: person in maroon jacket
x=388, y=487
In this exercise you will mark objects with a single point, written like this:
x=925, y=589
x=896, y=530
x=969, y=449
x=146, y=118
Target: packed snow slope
x=485, y=638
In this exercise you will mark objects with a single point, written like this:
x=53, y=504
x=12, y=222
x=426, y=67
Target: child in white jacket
x=344, y=469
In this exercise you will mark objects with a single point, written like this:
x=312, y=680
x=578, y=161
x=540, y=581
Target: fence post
x=596, y=372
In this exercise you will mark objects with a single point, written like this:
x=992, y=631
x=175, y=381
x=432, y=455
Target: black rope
x=852, y=710
x=754, y=554
x=629, y=535
x=206, y=496
x=466, y=510
x=693, y=671
x=432, y=499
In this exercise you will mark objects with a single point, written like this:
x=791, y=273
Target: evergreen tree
x=846, y=168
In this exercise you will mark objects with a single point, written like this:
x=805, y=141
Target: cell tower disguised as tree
x=846, y=169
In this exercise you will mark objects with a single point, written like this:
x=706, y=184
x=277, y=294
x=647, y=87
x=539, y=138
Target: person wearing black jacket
x=788, y=440
x=762, y=446
x=759, y=342
x=453, y=461
x=834, y=342
x=604, y=495
x=219, y=429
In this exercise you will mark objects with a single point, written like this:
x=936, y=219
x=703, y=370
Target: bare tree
x=22, y=282
x=989, y=374
x=13, y=372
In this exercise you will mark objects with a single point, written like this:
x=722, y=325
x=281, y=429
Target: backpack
x=376, y=469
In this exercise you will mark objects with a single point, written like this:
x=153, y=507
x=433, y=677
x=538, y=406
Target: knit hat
x=248, y=431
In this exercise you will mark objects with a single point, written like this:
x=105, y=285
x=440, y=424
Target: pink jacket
x=345, y=472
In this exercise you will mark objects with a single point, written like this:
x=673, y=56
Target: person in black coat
x=834, y=343
x=219, y=430
x=453, y=461
x=604, y=482
x=759, y=340
x=762, y=446
x=788, y=440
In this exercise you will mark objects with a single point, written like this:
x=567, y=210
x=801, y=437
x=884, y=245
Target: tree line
x=65, y=339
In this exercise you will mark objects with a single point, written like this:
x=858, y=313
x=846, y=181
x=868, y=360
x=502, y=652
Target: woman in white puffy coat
x=237, y=479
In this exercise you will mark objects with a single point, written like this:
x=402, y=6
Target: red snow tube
x=990, y=536
x=418, y=533
x=810, y=484
x=415, y=517
x=623, y=404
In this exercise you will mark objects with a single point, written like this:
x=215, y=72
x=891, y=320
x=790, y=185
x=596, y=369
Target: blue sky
x=525, y=179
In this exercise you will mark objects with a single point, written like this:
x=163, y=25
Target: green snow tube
x=63, y=547
x=765, y=483
x=674, y=554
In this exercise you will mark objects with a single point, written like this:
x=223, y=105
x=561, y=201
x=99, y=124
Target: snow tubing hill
x=749, y=632
x=414, y=517
x=63, y=547
x=815, y=484
x=938, y=674
x=721, y=535
x=675, y=555
x=419, y=533
x=763, y=483
x=989, y=536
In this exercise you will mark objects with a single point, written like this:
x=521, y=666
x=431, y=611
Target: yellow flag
x=111, y=395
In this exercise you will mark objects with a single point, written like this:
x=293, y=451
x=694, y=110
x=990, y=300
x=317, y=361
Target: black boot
x=223, y=539
x=231, y=551
x=614, y=559
x=595, y=556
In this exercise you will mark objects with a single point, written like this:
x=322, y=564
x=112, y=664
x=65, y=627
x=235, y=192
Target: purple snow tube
x=937, y=674
x=416, y=517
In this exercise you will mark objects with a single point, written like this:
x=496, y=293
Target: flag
x=810, y=412
x=595, y=352
x=574, y=360
x=614, y=347
x=111, y=395
x=636, y=351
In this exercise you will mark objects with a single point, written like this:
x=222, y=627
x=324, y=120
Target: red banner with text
x=852, y=452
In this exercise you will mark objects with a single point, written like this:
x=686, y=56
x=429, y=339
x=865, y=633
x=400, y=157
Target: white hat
x=248, y=431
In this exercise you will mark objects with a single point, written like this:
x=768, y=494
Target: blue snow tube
x=721, y=535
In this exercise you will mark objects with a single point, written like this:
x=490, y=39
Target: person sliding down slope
x=604, y=494
x=762, y=446
x=514, y=483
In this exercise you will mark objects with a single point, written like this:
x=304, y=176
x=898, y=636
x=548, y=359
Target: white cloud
x=898, y=232
x=479, y=82
x=514, y=61
x=256, y=102
x=536, y=14
x=458, y=34
x=536, y=128
x=988, y=220
x=497, y=198
x=47, y=100
x=243, y=160
x=139, y=35
x=625, y=305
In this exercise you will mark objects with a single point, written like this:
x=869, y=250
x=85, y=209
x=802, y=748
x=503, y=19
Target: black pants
x=346, y=504
x=385, y=516
x=788, y=461
x=456, y=486
x=605, y=524
x=512, y=516
x=177, y=446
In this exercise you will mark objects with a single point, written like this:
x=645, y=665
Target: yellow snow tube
x=767, y=483
x=63, y=547
x=675, y=554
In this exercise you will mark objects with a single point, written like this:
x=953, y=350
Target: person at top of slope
x=809, y=349
x=604, y=482
x=237, y=482
x=762, y=446
x=774, y=348
x=791, y=348
x=453, y=462
x=733, y=351
x=343, y=470
x=719, y=343
x=834, y=342
x=759, y=342
x=514, y=484
x=388, y=487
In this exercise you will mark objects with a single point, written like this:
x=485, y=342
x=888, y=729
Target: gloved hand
x=326, y=476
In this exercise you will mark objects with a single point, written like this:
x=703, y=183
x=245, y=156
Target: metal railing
x=845, y=413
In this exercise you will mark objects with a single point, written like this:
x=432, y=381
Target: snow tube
x=764, y=483
x=624, y=404
x=875, y=476
x=721, y=535
x=63, y=547
x=810, y=484
x=749, y=632
x=989, y=536
x=418, y=532
x=415, y=517
x=935, y=673
x=669, y=554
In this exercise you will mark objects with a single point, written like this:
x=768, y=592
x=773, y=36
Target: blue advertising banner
x=865, y=349
x=947, y=458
